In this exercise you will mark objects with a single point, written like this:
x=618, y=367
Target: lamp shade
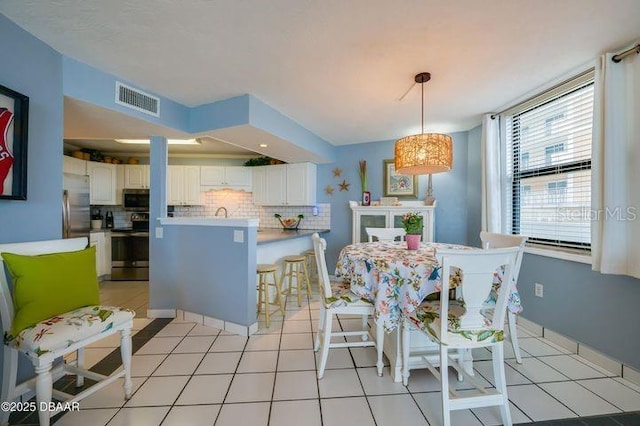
x=425, y=153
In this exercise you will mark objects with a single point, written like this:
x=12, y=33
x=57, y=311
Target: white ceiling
x=337, y=67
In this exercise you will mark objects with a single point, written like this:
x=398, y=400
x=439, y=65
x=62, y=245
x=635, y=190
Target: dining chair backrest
x=31, y=249
x=319, y=247
x=385, y=234
x=477, y=269
x=492, y=240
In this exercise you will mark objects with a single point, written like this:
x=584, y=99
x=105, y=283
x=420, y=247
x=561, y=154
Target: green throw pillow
x=51, y=284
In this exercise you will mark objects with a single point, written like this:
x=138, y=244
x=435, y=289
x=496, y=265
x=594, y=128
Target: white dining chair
x=385, y=234
x=57, y=337
x=467, y=326
x=337, y=299
x=494, y=240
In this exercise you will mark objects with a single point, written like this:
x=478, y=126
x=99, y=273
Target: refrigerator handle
x=65, y=214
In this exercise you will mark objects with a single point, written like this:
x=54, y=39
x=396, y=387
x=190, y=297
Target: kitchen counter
x=270, y=235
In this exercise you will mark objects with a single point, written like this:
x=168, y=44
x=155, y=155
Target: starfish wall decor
x=344, y=186
x=328, y=189
x=337, y=172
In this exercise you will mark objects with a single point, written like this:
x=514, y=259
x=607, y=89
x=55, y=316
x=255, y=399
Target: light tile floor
x=189, y=374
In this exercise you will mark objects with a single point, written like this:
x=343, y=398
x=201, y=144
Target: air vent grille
x=137, y=99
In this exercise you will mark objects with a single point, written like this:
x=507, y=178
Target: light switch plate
x=159, y=232
x=539, y=290
x=238, y=236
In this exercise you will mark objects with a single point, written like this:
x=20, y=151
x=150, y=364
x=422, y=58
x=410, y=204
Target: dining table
x=397, y=280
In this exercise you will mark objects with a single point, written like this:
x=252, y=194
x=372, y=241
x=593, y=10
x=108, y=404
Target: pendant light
x=424, y=153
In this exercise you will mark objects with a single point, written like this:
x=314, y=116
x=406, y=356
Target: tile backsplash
x=239, y=204
x=121, y=218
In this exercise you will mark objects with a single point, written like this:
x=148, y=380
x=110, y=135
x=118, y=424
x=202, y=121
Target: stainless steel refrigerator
x=76, y=214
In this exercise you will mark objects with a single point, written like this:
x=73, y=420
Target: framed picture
x=14, y=116
x=397, y=185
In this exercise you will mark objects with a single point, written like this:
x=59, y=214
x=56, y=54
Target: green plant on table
x=363, y=174
x=412, y=223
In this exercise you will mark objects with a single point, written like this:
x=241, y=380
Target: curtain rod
x=620, y=56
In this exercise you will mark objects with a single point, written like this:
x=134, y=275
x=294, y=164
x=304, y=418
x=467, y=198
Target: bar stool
x=312, y=269
x=264, y=271
x=295, y=267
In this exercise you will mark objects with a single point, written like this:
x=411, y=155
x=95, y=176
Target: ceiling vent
x=136, y=99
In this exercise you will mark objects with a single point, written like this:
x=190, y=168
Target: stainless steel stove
x=130, y=250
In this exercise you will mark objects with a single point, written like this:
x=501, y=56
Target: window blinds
x=548, y=141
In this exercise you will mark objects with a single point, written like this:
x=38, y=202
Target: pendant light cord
x=422, y=110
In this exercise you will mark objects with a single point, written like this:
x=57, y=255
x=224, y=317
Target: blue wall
x=474, y=187
x=450, y=190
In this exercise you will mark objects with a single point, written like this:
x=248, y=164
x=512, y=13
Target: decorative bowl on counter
x=290, y=223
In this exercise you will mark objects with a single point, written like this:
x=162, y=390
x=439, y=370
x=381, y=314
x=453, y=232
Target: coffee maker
x=109, y=220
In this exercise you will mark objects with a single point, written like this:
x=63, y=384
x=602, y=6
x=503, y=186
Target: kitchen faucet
x=222, y=208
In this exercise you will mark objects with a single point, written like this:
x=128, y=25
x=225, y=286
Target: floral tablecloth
x=396, y=279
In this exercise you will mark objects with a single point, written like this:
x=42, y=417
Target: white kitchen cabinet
x=102, y=242
x=103, y=183
x=285, y=185
x=183, y=185
x=220, y=177
x=119, y=183
x=389, y=217
x=74, y=165
x=136, y=176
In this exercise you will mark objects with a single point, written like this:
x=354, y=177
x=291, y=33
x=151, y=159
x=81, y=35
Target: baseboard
x=231, y=327
x=161, y=313
x=598, y=358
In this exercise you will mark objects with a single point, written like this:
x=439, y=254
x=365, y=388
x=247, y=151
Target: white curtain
x=615, y=184
x=491, y=176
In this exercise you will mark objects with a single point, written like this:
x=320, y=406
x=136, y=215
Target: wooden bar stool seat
x=295, y=267
x=264, y=272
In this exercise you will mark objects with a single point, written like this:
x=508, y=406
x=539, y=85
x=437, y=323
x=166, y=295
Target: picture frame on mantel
x=398, y=185
x=14, y=123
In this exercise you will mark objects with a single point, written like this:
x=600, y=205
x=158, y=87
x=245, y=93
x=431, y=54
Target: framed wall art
x=397, y=185
x=14, y=120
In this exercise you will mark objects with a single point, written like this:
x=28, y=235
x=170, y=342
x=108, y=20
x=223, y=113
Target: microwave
x=135, y=200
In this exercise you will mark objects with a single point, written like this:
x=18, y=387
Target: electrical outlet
x=539, y=290
x=238, y=236
x=159, y=232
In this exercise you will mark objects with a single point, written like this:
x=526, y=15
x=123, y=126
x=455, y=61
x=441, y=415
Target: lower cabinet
x=102, y=243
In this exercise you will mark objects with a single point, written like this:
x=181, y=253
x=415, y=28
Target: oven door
x=129, y=256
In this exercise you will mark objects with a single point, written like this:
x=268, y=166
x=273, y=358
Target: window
x=548, y=141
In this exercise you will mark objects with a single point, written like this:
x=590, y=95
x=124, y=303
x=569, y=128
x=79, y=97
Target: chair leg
x=285, y=268
x=305, y=274
x=513, y=336
x=125, y=354
x=379, y=346
x=298, y=286
x=260, y=291
x=9, y=376
x=501, y=382
x=316, y=344
x=326, y=340
x=80, y=364
x=444, y=381
x=365, y=336
x=406, y=343
x=279, y=298
x=44, y=390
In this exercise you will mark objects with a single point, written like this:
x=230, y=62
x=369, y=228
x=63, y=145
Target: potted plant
x=413, y=224
x=366, y=195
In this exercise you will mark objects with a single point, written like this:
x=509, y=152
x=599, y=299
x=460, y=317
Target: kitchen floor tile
x=205, y=390
x=302, y=315
x=177, y=364
x=537, y=404
x=571, y=367
x=485, y=368
x=94, y=355
x=346, y=411
x=228, y=343
x=614, y=392
x=580, y=400
x=397, y=410
x=376, y=385
x=352, y=325
x=159, y=345
x=490, y=416
x=219, y=363
x=296, y=327
x=275, y=327
x=295, y=413
x=538, y=347
x=337, y=383
x=256, y=414
x=112, y=341
x=176, y=329
x=158, y=391
x=194, y=344
x=431, y=406
x=83, y=417
x=201, y=415
x=111, y=396
x=144, y=365
x=366, y=357
x=296, y=360
x=296, y=341
x=141, y=416
x=537, y=371
x=335, y=326
x=258, y=362
x=251, y=387
x=204, y=330
x=295, y=385
x=263, y=342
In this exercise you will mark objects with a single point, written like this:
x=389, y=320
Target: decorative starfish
x=344, y=186
x=329, y=189
x=337, y=172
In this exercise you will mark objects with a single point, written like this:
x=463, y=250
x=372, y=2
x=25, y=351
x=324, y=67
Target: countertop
x=270, y=235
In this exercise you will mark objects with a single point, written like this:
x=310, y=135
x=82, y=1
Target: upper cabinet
x=103, y=183
x=219, y=177
x=74, y=165
x=183, y=185
x=285, y=185
x=136, y=176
